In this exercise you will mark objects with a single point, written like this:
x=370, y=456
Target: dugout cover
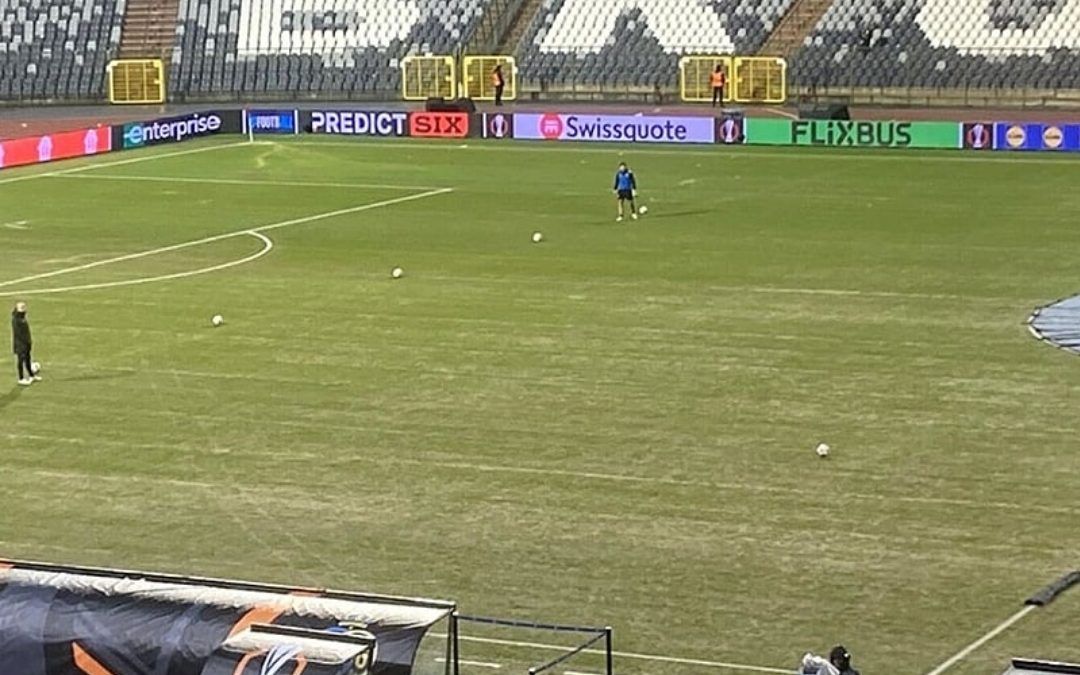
x=57, y=620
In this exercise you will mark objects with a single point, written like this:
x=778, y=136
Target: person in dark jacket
x=498, y=83
x=21, y=344
x=838, y=663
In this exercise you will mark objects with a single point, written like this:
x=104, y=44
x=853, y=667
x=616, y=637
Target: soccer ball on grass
x=643, y=210
x=35, y=368
x=217, y=320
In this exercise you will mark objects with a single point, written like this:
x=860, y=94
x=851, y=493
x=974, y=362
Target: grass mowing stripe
x=364, y=413
x=726, y=152
x=595, y=476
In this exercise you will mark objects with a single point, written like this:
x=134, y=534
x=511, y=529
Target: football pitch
x=615, y=426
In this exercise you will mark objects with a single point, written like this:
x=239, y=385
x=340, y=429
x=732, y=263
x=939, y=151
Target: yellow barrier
x=750, y=79
x=695, y=73
x=760, y=79
x=424, y=77
x=478, y=77
x=136, y=81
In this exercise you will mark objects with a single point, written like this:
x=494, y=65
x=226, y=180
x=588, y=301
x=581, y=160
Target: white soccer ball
x=643, y=210
x=537, y=237
x=397, y=272
x=35, y=368
x=822, y=450
x=217, y=320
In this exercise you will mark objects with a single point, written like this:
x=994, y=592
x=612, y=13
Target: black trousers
x=498, y=94
x=717, y=96
x=23, y=359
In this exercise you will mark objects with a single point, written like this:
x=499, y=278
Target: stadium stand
x=311, y=48
x=57, y=49
x=943, y=44
x=352, y=49
x=637, y=43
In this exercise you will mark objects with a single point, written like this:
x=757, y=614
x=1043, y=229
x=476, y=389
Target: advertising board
x=271, y=122
x=64, y=145
x=1046, y=137
x=176, y=129
x=853, y=133
x=379, y=123
x=614, y=128
x=439, y=124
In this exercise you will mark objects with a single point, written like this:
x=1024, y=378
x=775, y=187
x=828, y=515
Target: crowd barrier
x=729, y=128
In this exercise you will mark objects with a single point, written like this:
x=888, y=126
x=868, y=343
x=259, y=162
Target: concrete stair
x=519, y=23
x=794, y=26
x=149, y=29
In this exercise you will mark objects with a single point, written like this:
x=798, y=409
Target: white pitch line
x=747, y=487
x=632, y=655
x=994, y=632
x=578, y=672
x=17, y=225
x=268, y=245
x=717, y=152
x=240, y=181
x=761, y=290
x=227, y=235
x=487, y=468
x=466, y=662
x=121, y=162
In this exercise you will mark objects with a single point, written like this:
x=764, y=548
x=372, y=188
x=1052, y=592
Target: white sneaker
x=26, y=383
x=619, y=219
x=634, y=216
x=37, y=378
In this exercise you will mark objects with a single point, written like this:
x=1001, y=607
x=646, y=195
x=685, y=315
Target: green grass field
x=615, y=426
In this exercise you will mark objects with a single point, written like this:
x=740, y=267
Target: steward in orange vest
x=718, y=79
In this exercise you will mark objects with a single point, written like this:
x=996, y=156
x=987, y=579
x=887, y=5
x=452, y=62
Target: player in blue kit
x=625, y=190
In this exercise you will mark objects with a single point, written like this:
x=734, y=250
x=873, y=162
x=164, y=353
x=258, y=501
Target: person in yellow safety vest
x=718, y=79
x=498, y=83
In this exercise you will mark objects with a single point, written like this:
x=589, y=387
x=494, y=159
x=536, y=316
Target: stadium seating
x=57, y=49
x=637, y=43
x=328, y=48
x=943, y=43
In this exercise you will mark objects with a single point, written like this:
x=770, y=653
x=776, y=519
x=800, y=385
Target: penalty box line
x=247, y=231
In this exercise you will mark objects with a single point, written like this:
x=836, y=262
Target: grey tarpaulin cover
x=77, y=621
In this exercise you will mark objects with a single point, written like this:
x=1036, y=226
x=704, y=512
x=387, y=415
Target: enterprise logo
x=171, y=130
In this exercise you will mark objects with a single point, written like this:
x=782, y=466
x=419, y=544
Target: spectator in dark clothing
x=841, y=660
x=498, y=83
x=838, y=663
x=21, y=344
